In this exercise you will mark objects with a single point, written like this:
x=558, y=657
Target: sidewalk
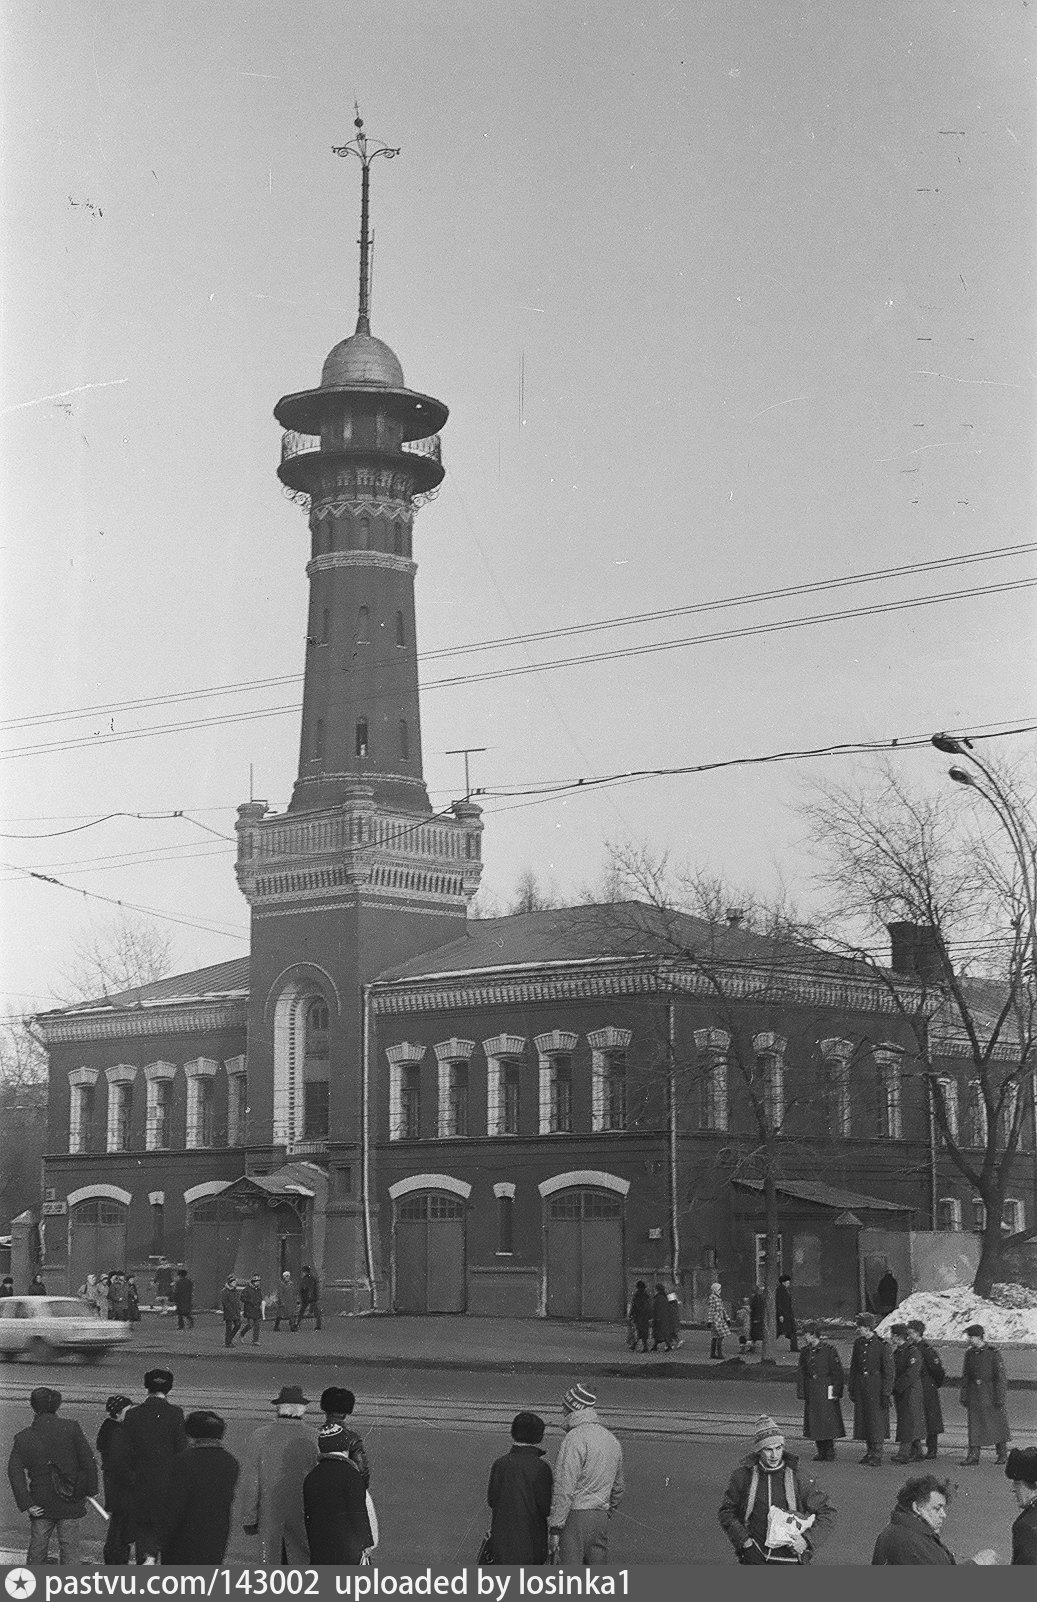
x=511, y=1345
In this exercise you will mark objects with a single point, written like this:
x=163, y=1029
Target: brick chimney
x=915, y=952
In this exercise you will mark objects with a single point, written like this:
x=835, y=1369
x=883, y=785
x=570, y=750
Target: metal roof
x=223, y=981
x=820, y=1195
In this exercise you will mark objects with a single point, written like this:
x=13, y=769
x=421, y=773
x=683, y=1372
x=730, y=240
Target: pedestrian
x=983, y=1394
x=118, y=1298
x=132, y=1300
x=287, y=1303
x=1021, y=1469
x=163, y=1282
x=913, y=1532
x=335, y=1503
x=6, y=1286
x=673, y=1310
x=908, y=1397
x=820, y=1389
x=784, y=1315
x=52, y=1471
x=157, y=1437
x=279, y=1457
x=252, y=1309
x=660, y=1320
x=115, y=1450
x=757, y=1317
x=36, y=1286
x=639, y=1316
x=230, y=1306
x=933, y=1376
x=717, y=1319
x=870, y=1388
x=887, y=1292
x=309, y=1298
x=743, y=1324
x=196, y=1521
x=519, y=1495
x=588, y=1483
x=337, y=1405
x=771, y=1512
x=183, y=1299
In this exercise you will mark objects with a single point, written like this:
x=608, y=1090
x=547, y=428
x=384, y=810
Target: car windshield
x=64, y=1309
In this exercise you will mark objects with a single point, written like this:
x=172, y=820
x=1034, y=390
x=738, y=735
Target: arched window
x=302, y=1065
x=316, y=1064
x=404, y=740
x=401, y=633
x=361, y=737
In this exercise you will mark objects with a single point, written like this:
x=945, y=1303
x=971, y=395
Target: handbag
x=485, y=1555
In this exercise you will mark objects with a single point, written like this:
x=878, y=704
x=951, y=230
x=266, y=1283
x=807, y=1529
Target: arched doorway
x=583, y=1253
x=429, y=1252
x=96, y=1238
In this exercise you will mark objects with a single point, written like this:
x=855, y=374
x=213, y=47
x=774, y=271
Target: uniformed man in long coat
x=279, y=1457
x=820, y=1389
x=908, y=1397
x=984, y=1392
x=871, y=1388
x=156, y=1437
x=933, y=1376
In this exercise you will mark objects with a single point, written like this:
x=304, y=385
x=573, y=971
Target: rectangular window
x=410, y=1102
x=760, y=1257
x=120, y=1103
x=839, y=1101
x=505, y=1211
x=561, y=1094
x=455, y=1119
x=772, y=1071
x=1006, y=1117
x=890, y=1126
x=947, y=1090
x=712, y=1091
x=508, y=1116
x=161, y=1114
x=1013, y=1215
x=200, y=1110
x=81, y=1124
x=976, y=1133
x=948, y=1213
x=609, y=1090
x=237, y=1103
x=316, y=1120
x=979, y=1215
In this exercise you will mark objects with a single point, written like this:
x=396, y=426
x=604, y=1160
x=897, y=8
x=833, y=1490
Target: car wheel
x=40, y=1351
x=93, y=1357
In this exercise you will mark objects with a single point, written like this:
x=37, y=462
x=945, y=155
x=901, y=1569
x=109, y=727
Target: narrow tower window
x=363, y=534
x=397, y=539
x=361, y=737
x=318, y=741
x=404, y=740
x=325, y=627
x=363, y=626
x=401, y=633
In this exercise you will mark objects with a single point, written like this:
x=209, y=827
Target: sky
x=724, y=297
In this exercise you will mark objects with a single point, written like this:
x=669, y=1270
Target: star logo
x=19, y=1583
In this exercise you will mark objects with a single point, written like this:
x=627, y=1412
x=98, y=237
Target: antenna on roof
x=365, y=154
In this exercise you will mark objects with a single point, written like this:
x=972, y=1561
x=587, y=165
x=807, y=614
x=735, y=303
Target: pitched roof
x=820, y=1195
x=224, y=981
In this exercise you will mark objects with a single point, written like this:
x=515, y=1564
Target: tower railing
x=295, y=444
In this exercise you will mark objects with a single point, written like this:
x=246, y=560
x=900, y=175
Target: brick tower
x=358, y=872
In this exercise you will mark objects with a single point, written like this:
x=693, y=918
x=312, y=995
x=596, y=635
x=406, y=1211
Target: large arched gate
x=583, y=1252
x=96, y=1239
x=429, y=1253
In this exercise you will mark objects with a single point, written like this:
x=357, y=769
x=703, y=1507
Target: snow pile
x=946, y=1314
x=1013, y=1296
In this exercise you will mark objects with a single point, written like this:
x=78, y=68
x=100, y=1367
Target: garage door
x=96, y=1240
x=585, y=1255
x=429, y=1254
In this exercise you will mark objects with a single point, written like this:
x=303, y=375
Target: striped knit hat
x=767, y=1434
x=578, y=1398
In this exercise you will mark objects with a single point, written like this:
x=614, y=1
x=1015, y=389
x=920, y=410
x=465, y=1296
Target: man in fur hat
x=278, y=1459
x=870, y=1388
x=1021, y=1469
x=52, y=1471
x=588, y=1483
x=771, y=1512
x=155, y=1429
x=519, y=1495
x=984, y=1392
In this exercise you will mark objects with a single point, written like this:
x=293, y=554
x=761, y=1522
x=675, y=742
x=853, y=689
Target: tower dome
x=362, y=359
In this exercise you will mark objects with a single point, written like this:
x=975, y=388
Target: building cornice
x=178, y=1018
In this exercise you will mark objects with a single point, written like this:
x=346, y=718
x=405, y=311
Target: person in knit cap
x=116, y=1453
x=519, y=1496
x=1021, y=1469
x=337, y=1405
x=771, y=1511
x=588, y=1483
x=335, y=1503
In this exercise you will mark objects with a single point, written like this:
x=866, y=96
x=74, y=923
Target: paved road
x=431, y=1438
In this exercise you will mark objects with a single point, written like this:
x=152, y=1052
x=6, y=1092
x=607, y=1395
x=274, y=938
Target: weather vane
x=365, y=154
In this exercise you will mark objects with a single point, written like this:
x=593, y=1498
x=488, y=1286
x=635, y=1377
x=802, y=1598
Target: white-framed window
x=120, y=1105
x=237, y=1100
x=947, y=1089
x=948, y=1213
x=1006, y=1116
x=158, y=1128
x=452, y=1058
x=503, y=1080
x=201, y=1102
x=976, y=1116
x=555, y=1051
x=608, y=1078
x=979, y=1215
x=505, y=1195
x=81, y=1097
x=405, y=1090
x=712, y=1047
x=1013, y=1215
x=888, y=1062
x=760, y=1258
x=836, y=1054
x=769, y=1050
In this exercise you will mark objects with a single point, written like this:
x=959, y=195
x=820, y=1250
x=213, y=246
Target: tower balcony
x=303, y=456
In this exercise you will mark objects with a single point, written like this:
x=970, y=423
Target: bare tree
x=530, y=895
x=119, y=954
x=890, y=857
x=23, y=1117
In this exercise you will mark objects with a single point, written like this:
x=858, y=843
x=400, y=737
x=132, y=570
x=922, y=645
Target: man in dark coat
x=757, y=1316
x=183, y=1299
x=640, y=1316
x=157, y=1437
x=870, y=1388
x=6, y=1286
x=784, y=1316
x=770, y=1478
x=660, y=1320
x=52, y=1471
x=1021, y=1469
x=933, y=1376
x=230, y=1306
x=196, y=1517
x=519, y=1495
x=820, y=1388
x=335, y=1504
x=886, y=1292
x=309, y=1298
x=907, y=1396
x=983, y=1394
x=116, y=1454
x=673, y=1317
x=337, y=1405
x=913, y=1532
x=252, y=1309
x=36, y=1286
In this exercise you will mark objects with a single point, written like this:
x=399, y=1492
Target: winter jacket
x=673, y=1315
x=230, y=1304
x=909, y=1539
x=1024, y=1536
x=641, y=1312
x=287, y=1299
x=252, y=1303
x=588, y=1469
x=757, y=1316
x=195, y=1526
x=183, y=1294
x=115, y=1450
x=58, y=1442
x=984, y=1391
x=157, y=1437
x=821, y=1371
x=519, y=1496
x=784, y=1317
x=660, y=1318
x=871, y=1387
x=279, y=1457
x=715, y=1315
x=933, y=1376
x=908, y=1394
x=309, y=1291
x=352, y=1445
x=752, y=1490
x=335, y=1509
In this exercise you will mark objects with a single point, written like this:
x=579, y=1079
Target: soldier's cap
x=975, y=1329
x=810, y=1326
x=336, y=1399
x=1022, y=1464
x=205, y=1425
x=865, y=1321
x=115, y=1405
x=917, y=1325
x=44, y=1400
x=899, y=1329
x=159, y=1380
x=291, y=1395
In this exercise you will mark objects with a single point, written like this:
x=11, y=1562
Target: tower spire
x=365, y=153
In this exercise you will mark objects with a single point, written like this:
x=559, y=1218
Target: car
x=45, y=1327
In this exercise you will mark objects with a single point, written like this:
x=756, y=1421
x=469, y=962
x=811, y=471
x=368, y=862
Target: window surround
x=605, y=1044
x=1006, y=1116
x=771, y=1048
x=836, y=1054
x=79, y=1080
x=236, y=1069
x=1013, y=1215
x=555, y=1043
x=157, y=1073
x=977, y=1116
x=199, y=1070
x=713, y=1047
x=889, y=1063
x=500, y=1050
x=949, y=1091
x=447, y=1054
x=948, y=1207
x=403, y=1055
x=120, y=1099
